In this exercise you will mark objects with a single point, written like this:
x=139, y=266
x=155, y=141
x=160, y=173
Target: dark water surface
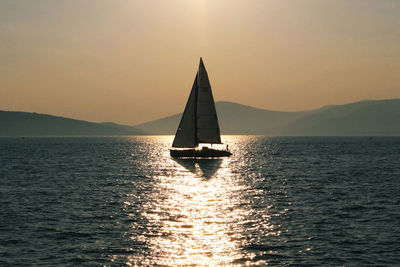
x=124, y=201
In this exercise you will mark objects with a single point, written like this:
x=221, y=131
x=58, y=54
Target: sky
x=132, y=61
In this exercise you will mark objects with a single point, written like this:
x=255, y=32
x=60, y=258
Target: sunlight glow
x=200, y=231
x=198, y=216
x=196, y=213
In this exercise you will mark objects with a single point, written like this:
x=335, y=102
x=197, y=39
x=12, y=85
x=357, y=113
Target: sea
x=123, y=201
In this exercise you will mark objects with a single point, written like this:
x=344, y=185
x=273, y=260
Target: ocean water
x=304, y=201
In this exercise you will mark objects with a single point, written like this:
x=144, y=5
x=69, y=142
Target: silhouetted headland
x=33, y=124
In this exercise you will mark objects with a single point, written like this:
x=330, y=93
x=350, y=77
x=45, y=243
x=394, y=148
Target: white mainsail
x=199, y=123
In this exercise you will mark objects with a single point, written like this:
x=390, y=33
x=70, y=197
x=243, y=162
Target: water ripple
x=124, y=201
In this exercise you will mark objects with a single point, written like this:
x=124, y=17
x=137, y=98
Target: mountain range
x=369, y=117
x=364, y=118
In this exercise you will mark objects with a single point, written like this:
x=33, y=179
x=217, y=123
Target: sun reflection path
x=197, y=218
x=203, y=231
x=195, y=212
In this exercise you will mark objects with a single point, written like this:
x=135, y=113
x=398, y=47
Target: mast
x=196, y=138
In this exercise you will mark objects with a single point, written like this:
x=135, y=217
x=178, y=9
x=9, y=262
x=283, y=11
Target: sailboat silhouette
x=198, y=129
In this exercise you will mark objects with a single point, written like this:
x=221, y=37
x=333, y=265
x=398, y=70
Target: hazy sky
x=134, y=61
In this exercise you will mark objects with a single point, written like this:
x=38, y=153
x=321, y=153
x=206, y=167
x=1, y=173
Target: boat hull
x=203, y=153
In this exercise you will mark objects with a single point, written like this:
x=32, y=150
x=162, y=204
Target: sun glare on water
x=195, y=215
x=200, y=232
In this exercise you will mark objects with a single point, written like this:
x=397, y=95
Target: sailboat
x=198, y=133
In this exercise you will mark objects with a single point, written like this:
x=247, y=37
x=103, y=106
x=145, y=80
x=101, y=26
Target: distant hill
x=240, y=119
x=370, y=117
x=33, y=124
x=365, y=118
x=166, y=125
x=233, y=119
